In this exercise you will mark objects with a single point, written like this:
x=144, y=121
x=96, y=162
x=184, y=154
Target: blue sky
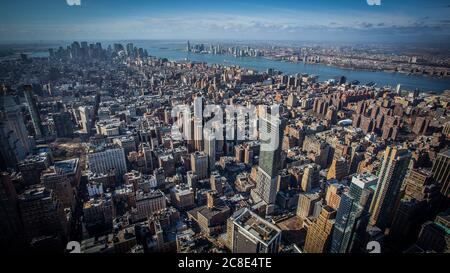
x=318, y=20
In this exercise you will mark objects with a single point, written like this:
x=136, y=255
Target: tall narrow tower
x=392, y=173
x=270, y=162
x=35, y=118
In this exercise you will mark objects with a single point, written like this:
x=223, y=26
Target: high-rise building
x=419, y=201
x=182, y=197
x=317, y=150
x=307, y=202
x=11, y=229
x=34, y=112
x=32, y=167
x=104, y=159
x=441, y=172
x=198, y=134
x=56, y=180
x=199, y=164
x=310, y=178
x=15, y=144
x=63, y=125
x=352, y=215
x=198, y=107
x=98, y=212
x=149, y=203
x=270, y=157
x=86, y=119
x=292, y=100
x=188, y=47
x=319, y=233
x=217, y=182
x=434, y=236
x=338, y=169
x=130, y=49
x=210, y=150
x=392, y=172
x=249, y=233
x=42, y=214
x=334, y=194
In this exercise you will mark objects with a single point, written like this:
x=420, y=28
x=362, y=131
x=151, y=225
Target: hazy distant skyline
x=323, y=20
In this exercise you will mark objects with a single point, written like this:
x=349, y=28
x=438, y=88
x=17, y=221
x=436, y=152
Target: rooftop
x=67, y=166
x=261, y=229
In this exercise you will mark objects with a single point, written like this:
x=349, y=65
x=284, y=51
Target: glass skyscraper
x=270, y=157
x=352, y=215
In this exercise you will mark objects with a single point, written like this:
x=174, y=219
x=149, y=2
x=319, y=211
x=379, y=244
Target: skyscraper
x=310, y=178
x=34, y=113
x=352, y=215
x=198, y=134
x=434, y=235
x=270, y=157
x=63, y=125
x=210, y=150
x=392, y=172
x=15, y=144
x=10, y=226
x=338, y=169
x=441, y=172
x=319, y=233
x=41, y=213
x=199, y=164
x=130, y=49
x=419, y=202
x=86, y=119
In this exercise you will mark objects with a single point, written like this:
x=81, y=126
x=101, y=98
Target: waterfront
x=176, y=51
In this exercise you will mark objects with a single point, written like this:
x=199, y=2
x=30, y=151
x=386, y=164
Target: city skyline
x=352, y=21
x=231, y=127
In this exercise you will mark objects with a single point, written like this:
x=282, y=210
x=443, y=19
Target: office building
x=199, y=164
x=11, y=229
x=352, y=214
x=270, y=157
x=441, y=172
x=34, y=112
x=419, y=201
x=434, y=236
x=311, y=177
x=103, y=159
x=42, y=214
x=252, y=234
x=59, y=183
x=307, y=203
x=63, y=125
x=98, y=213
x=338, y=169
x=210, y=150
x=86, y=119
x=149, y=203
x=392, y=172
x=319, y=232
x=15, y=144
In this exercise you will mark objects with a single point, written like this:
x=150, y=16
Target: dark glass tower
x=270, y=157
x=35, y=117
x=352, y=216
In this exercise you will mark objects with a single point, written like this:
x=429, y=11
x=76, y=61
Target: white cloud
x=73, y=2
